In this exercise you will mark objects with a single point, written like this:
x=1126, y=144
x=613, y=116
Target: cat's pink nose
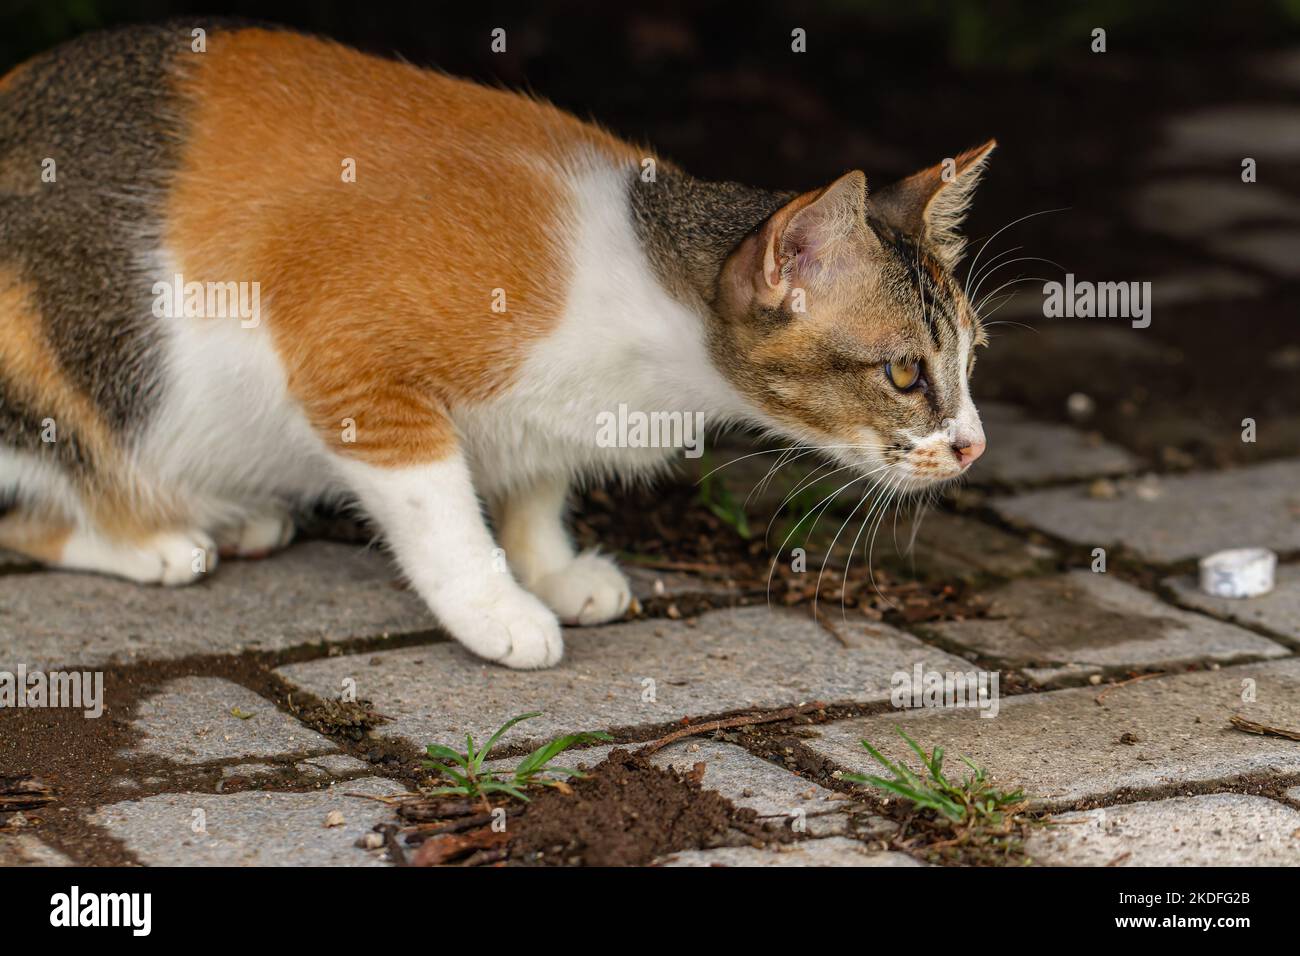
x=966, y=454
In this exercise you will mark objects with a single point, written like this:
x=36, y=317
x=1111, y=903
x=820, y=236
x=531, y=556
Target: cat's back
x=86, y=141
x=224, y=151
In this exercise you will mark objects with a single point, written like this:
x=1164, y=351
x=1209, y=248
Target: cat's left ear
x=929, y=206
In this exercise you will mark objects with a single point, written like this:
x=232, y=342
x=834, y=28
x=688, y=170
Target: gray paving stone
x=193, y=720
x=1218, y=829
x=832, y=851
x=1175, y=517
x=1275, y=249
x=1194, y=207
x=730, y=660
x=1277, y=612
x=1023, y=452
x=317, y=591
x=26, y=849
x=950, y=546
x=1232, y=132
x=251, y=828
x=1084, y=623
x=1063, y=747
x=769, y=790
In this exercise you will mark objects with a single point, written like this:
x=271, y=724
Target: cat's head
x=840, y=318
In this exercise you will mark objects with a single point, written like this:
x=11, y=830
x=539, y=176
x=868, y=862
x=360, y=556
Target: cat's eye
x=904, y=375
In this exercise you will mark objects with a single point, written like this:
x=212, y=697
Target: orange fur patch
x=38, y=538
x=11, y=76
x=378, y=292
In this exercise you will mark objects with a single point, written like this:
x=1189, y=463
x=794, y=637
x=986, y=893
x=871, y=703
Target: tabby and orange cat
x=421, y=294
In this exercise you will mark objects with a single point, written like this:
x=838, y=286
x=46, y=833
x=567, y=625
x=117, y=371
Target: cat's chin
x=907, y=481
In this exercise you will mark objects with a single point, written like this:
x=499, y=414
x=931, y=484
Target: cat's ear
x=801, y=242
x=929, y=206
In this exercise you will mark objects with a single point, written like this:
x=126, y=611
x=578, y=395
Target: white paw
x=590, y=589
x=257, y=536
x=505, y=624
x=172, y=558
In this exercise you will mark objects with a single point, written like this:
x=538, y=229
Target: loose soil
x=624, y=812
x=667, y=528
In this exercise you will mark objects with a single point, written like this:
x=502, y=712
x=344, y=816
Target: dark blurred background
x=1142, y=144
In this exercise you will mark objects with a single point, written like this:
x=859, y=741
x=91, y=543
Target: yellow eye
x=904, y=375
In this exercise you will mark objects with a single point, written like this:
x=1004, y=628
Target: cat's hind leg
x=169, y=558
x=256, y=536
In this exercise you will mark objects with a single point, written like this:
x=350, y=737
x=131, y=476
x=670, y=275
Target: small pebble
x=1103, y=488
x=1148, y=488
x=1080, y=406
x=335, y=819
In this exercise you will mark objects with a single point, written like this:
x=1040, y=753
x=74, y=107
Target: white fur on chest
x=622, y=340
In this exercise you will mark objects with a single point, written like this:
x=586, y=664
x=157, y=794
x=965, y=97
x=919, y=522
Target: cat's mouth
x=910, y=467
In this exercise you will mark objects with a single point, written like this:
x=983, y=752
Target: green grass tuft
x=962, y=821
x=718, y=498
x=965, y=802
x=465, y=770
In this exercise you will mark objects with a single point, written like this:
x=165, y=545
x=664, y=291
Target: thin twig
x=1251, y=727
x=1124, y=683
x=833, y=631
x=710, y=725
x=389, y=800
x=395, y=851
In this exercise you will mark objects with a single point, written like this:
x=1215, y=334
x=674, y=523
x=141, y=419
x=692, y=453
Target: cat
x=243, y=270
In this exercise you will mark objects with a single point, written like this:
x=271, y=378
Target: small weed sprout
x=465, y=771
x=717, y=497
x=969, y=802
x=964, y=821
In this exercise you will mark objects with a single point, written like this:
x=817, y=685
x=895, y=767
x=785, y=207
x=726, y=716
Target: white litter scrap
x=1238, y=573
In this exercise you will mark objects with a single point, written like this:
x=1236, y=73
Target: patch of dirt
x=339, y=718
x=624, y=812
x=668, y=529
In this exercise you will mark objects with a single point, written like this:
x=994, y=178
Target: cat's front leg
x=581, y=588
x=433, y=523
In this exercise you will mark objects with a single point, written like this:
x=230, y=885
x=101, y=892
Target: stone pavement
x=1117, y=689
